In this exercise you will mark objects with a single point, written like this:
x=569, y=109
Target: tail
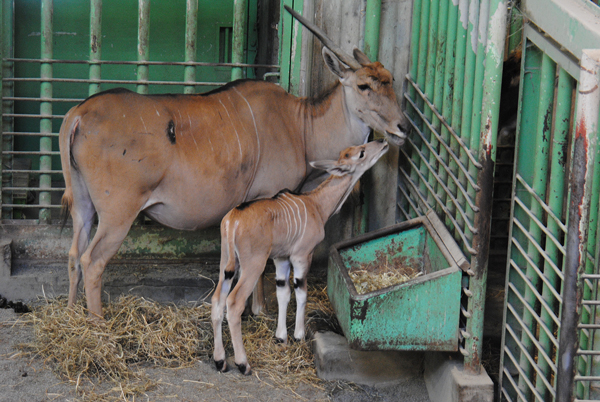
x=68, y=131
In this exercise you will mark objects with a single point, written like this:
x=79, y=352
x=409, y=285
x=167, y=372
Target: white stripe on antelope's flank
x=233, y=125
x=144, y=123
x=305, y=218
x=254, y=121
x=288, y=202
x=288, y=219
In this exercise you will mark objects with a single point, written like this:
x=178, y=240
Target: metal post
x=467, y=98
x=95, y=44
x=372, y=27
x=46, y=110
x=555, y=197
x=7, y=106
x=191, y=33
x=539, y=185
x=580, y=183
x=448, y=82
x=488, y=132
x=438, y=92
x=143, y=45
x=430, y=68
x=420, y=77
x=459, y=86
x=240, y=18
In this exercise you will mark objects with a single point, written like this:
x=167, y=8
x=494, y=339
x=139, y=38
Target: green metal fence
x=447, y=164
x=550, y=342
x=55, y=54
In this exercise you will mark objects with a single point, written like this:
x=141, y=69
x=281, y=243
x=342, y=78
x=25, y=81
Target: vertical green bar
x=438, y=94
x=240, y=18
x=495, y=31
x=46, y=110
x=290, y=45
x=95, y=45
x=516, y=30
x=429, y=82
x=191, y=33
x=143, y=45
x=7, y=106
x=556, y=193
x=414, y=50
x=372, y=26
x=458, y=86
x=448, y=83
x=539, y=184
x=420, y=79
x=467, y=99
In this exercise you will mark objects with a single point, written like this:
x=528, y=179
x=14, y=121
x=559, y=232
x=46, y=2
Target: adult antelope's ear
x=361, y=57
x=334, y=64
x=331, y=167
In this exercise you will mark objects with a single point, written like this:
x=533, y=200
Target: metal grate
x=552, y=274
x=447, y=163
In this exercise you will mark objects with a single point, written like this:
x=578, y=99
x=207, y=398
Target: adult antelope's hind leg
x=82, y=213
x=301, y=266
x=251, y=268
x=282, y=281
x=105, y=244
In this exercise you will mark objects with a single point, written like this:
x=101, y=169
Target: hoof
x=298, y=340
x=221, y=365
x=244, y=368
x=280, y=341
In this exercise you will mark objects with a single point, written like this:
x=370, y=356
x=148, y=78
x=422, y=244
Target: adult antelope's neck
x=331, y=194
x=330, y=126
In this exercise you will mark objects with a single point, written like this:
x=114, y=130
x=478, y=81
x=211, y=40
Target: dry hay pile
x=138, y=333
x=382, y=273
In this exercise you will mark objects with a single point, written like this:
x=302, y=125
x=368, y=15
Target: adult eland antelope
x=286, y=228
x=186, y=160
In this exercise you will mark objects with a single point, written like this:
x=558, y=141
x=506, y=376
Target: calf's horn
x=318, y=32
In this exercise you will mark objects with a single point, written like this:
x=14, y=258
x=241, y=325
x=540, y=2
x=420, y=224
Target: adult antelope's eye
x=364, y=87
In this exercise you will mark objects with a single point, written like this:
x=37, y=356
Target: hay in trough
x=382, y=273
x=137, y=333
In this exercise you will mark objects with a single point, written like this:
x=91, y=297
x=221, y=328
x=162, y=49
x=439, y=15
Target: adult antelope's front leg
x=282, y=281
x=301, y=267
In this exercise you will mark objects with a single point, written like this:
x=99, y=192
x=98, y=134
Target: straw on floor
x=137, y=332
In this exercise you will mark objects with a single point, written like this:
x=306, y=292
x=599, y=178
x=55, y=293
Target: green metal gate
x=56, y=53
x=550, y=344
x=447, y=163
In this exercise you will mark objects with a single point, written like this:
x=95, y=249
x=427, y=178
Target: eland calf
x=286, y=228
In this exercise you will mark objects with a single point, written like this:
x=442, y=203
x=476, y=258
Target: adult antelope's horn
x=318, y=32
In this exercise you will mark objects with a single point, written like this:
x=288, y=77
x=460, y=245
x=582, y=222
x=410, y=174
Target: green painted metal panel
x=420, y=314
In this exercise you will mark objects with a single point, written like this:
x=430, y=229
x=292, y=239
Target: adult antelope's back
x=185, y=160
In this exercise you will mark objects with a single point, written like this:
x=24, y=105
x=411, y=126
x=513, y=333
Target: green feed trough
x=419, y=314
